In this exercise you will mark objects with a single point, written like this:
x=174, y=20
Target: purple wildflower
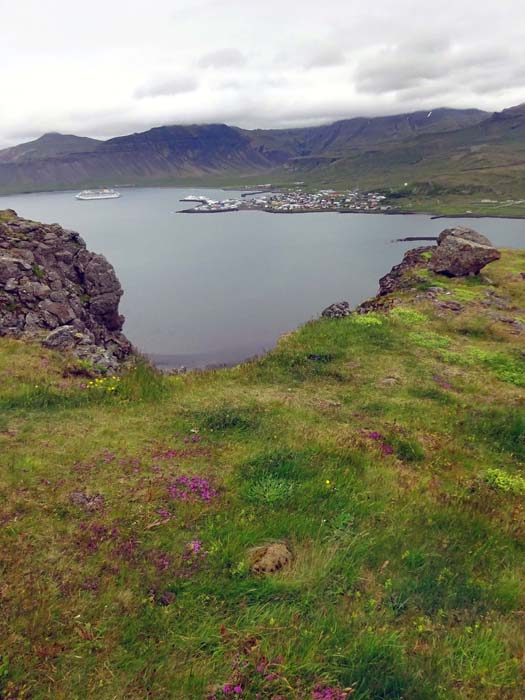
x=186, y=488
x=90, y=584
x=92, y=535
x=387, y=449
x=374, y=435
x=194, y=551
x=271, y=677
x=164, y=513
x=327, y=692
x=127, y=549
x=161, y=560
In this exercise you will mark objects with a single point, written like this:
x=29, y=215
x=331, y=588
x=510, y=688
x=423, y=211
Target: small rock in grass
x=87, y=503
x=389, y=381
x=339, y=310
x=450, y=306
x=271, y=558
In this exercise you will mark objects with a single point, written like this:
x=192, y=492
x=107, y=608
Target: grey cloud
x=394, y=70
x=429, y=68
x=222, y=58
x=493, y=83
x=159, y=87
x=326, y=58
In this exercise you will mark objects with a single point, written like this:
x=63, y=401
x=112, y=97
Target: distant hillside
x=453, y=150
x=340, y=136
x=152, y=156
x=48, y=146
x=485, y=157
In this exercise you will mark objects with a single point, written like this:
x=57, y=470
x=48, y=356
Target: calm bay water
x=206, y=289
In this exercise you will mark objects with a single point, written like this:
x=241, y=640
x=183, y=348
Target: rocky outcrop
x=338, y=310
x=398, y=278
x=54, y=290
x=462, y=251
x=465, y=252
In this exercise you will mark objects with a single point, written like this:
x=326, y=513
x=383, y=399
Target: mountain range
x=443, y=148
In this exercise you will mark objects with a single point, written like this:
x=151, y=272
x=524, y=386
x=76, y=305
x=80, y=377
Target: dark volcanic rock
x=54, y=290
x=397, y=278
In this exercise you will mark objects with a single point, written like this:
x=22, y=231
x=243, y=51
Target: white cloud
x=277, y=63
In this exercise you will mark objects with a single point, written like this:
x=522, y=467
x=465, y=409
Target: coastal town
x=294, y=201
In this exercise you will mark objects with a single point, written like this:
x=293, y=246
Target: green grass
x=386, y=450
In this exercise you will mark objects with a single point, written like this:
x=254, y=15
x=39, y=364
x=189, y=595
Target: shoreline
x=477, y=216
x=396, y=212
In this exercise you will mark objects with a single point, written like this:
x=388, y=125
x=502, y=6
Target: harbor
x=294, y=201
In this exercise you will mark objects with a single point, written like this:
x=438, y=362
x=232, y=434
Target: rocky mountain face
x=360, y=132
x=152, y=156
x=55, y=291
x=197, y=151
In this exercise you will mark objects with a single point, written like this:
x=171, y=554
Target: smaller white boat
x=196, y=198
x=98, y=194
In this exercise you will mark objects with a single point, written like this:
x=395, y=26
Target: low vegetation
x=385, y=450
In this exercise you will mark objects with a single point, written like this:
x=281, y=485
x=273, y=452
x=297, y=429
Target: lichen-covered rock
x=271, y=558
x=338, y=310
x=461, y=252
x=61, y=338
x=468, y=234
x=54, y=290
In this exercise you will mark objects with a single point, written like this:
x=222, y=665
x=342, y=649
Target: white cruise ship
x=98, y=194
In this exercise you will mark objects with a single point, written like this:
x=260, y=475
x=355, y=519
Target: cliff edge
x=55, y=291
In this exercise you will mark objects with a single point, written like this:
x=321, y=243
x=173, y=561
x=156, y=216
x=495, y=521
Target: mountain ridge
x=381, y=151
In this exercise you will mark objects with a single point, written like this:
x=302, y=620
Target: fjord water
x=218, y=288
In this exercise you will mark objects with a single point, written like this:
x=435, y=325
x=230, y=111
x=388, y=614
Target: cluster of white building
x=299, y=200
x=293, y=201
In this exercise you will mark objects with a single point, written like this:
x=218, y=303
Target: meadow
x=386, y=450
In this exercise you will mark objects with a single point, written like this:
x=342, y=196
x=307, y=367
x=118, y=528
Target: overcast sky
x=107, y=68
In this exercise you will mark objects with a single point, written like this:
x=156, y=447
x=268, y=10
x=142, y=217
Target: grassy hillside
x=385, y=449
